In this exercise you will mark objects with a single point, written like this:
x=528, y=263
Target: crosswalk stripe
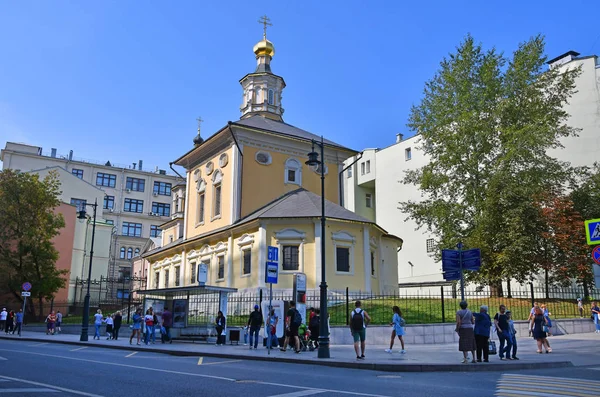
x=534, y=378
x=544, y=386
x=28, y=390
x=516, y=385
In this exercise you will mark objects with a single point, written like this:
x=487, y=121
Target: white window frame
x=407, y=154
x=362, y=168
x=291, y=237
x=430, y=243
x=245, y=243
x=269, y=160
x=217, y=179
x=220, y=251
x=350, y=172
x=373, y=250
x=292, y=164
x=368, y=162
x=343, y=239
x=195, y=258
x=176, y=278
x=369, y=200
x=271, y=97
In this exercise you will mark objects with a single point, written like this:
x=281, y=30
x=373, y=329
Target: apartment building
x=136, y=201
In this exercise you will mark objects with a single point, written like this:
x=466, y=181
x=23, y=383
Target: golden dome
x=264, y=47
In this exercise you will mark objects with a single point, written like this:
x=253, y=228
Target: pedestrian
x=547, y=314
x=167, y=323
x=501, y=323
x=538, y=328
x=117, y=325
x=466, y=335
x=596, y=316
x=3, y=315
x=59, y=317
x=580, y=307
x=358, y=327
x=149, y=321
x=255, y=321
x=397, y=330
x=18, y=322
x=10, y=322
x=98, y=319
x=483, y=322
x=50, y=322
x=220, y=324
x=272, y=321
x=293, y=319
x=109, y=326
x=314, y=324
x=513, y=336
x=156, y=324
x=136, y=326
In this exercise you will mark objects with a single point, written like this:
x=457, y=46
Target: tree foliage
x=29, y=224
x=486, y=122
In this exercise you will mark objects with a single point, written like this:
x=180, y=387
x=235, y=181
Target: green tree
x=586, y=193
x=29, y=224
x=486, y=122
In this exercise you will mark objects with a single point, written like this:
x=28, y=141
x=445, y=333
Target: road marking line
x=38, y=344
x=516, y=385
x=129, y=355
x=81, y=393
x=549, y=385
x=187, y=374
x=222, y=362
x=200, y=360
x=3, y=359
x=28, y=390
x=79, y=348
x=300, y=393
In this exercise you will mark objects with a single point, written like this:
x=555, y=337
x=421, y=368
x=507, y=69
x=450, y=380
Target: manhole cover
x=389, y=376
x=245, y=381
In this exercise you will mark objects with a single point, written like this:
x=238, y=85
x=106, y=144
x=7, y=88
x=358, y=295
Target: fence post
x=532, y=295
x=347, y=306
x=443, y=308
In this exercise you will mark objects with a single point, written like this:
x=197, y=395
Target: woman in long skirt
x=466, y=335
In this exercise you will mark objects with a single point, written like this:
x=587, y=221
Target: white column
x=262, y=254
x=230, y=261
x=234, y=184
x=188, y=189
x=381, y=268
x=318, y=264
x=182, y=268
x=367, y=258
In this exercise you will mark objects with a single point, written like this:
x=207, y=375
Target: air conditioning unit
x=128, y=190
x=155, y=194
x=111, y=209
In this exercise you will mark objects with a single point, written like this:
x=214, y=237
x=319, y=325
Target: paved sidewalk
x=569, y=350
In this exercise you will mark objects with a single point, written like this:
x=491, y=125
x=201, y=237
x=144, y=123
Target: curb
x=326, y=363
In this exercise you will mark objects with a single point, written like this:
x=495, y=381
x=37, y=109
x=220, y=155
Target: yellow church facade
x=248, y=187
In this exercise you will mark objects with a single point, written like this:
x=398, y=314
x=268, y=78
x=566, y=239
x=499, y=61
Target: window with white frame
x=372, y=263
x=291, y=248
x=246, y=261
x=156, y=280
x=177, y=275
x=221, y=267
x=369, y=200
x=136, y=252
x=129, y=253
x=407, y=154
x=217, y=178
x=350, y=172
x=122, y=253
x=291, y=257
x=343, y=243
x=368, y=166
x=271, y=97
x=293, y=172
x=166, y=278
x=430, y=243
x=193, y=272
x=362, y=168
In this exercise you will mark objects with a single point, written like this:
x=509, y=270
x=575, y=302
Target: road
x=33, y=369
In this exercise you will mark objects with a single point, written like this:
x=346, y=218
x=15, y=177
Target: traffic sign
x=272, y=272
x=272, y=254
x=25, y=293
x=26, y=286
x=596, y=254
x=452, y=275
x=592, y=231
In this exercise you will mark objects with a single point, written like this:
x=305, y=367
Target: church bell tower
x=262, y=89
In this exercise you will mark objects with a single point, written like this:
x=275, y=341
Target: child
x=245, y=328
x=547, y=316
x=398, y=324
x=580, y=307
x=109, y=326
x=513, y=335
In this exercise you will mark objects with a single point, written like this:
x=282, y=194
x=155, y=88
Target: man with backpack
x=313, y=327
x=293, y=319
x=255, y=322
x=358, y=327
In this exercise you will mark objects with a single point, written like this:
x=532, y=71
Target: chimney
x=399, y=137
x=162, y=172
x=156, y=169
x=140, y=165
x=134, y=164
x=53, y=153
x=70, y=155
x=563, y=58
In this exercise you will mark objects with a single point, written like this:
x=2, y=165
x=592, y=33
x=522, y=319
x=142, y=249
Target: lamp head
x=313, y=159
x=81, y=215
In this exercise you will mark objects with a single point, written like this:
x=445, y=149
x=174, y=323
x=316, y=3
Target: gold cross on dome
x=265, y=21
x=199, y=120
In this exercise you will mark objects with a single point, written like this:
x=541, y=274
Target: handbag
x=492, y=347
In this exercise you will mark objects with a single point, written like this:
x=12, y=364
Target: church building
x=248, y=187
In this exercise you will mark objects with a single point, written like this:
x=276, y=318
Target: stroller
x=304, y=337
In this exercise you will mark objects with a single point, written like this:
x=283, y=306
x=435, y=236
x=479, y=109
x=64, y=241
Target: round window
x=263, y=158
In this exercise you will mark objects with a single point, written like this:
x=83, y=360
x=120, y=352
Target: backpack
x=357, y=321
x=297, y=320
x=314, y=322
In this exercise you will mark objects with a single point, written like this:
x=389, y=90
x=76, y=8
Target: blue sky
x=125, y=80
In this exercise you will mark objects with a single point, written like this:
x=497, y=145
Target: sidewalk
x=571, y=350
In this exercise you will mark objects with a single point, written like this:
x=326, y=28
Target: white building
x=373, y=187
x=135, y=201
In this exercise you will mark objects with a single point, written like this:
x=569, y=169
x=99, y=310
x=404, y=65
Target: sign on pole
x=271, y=277
x=592, y=231
x=26, y=286
x=25, y=293
x=596, y=254
x=455, y=262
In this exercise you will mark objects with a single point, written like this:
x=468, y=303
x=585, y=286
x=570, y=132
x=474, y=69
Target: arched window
x=271, y=97
x=129, y=253
x=136, y=252
x=217, y=178
x=122, y=254
x=293, y=172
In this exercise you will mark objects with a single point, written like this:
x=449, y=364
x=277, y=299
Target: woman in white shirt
x=109, y=327
x=149, y=320
x=98, y=323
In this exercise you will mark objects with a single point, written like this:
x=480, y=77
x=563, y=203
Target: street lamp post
x=86, y=302
x=313, y=160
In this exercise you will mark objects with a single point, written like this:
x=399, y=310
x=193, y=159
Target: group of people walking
x=113, y=324
x=11, y=322
x=150, y=323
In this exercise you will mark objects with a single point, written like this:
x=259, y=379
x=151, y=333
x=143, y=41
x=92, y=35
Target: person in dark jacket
x=220, y=324
x=483, y=323
x=117, y=325
x=167, y=323
x=254, y=322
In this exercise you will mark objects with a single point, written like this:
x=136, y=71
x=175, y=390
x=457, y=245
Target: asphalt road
x=33, y=369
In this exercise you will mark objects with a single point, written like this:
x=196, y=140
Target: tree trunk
x=586, y=291
x=508, y=290
x=546, y=283
x=41, y=302
x=496, y=290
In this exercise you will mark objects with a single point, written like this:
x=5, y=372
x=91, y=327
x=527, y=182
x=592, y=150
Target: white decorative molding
x=291, y=237
x=200, y=185
x=263, y=158
x=220, y=247
x=209, y=168
x=367, y=258
x=246, y=239
x=223, y=160
x=217, y=177
x=292, y=164
x=197, y=175
x=373, y=242
x=290, y=234
x=343, y=239
x=343, y=236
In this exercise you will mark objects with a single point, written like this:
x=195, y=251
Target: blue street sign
x=473, y=264
x=452, y=275
x=471, y=260
x=272, y=272
x=450, y=266
x=272, y=254
x=471, y=254
x=592, y=231
x=450, y=254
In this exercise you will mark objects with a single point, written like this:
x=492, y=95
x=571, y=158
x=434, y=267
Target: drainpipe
x=241, y=173
x=175, y=171
x=341, y=180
